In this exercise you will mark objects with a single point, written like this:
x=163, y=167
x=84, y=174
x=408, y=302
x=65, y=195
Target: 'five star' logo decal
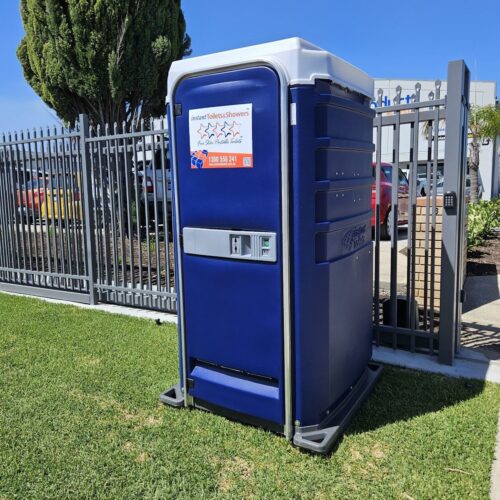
x=235, y=129
x=225, y=129
x=217, y=130
x=201, y=131
x=210, y=131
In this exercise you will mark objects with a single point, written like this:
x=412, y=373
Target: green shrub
x=482, y=218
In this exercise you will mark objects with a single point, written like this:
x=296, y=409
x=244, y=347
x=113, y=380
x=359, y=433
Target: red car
x=30, y=197
x=385, y=199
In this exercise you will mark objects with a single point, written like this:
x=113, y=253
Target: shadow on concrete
x=482, y=338
x=480, y=291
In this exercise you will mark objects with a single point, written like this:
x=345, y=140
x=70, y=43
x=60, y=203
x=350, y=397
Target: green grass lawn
x=79, y=417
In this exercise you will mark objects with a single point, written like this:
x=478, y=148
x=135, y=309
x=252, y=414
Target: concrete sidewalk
x=481, y=315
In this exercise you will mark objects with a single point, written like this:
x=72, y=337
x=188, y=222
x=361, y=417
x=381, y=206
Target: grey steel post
x=457, y=111
x=88, y=211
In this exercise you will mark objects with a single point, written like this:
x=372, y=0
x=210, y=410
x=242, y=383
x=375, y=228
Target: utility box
x=272, y=160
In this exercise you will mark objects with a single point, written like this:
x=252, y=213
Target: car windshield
x=34, y=184
x=387, y=169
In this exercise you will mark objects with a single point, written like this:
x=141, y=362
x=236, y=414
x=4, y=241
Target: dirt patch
x=378, y=451
x=91, y=361
x=141, y=419
x=485, y=259
x=128, y=446
x=149, y=421
x=232, y=470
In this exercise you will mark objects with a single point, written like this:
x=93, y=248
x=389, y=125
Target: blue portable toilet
x=272, y=166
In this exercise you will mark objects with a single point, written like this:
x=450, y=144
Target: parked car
x=61, y=203
x=424, y=184
x=386, y=199
x=151, y=176
x=30, y=197
x=467, y=190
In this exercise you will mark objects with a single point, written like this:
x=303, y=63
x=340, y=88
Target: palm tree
x=484, y=125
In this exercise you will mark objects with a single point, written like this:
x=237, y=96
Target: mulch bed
x=485, y=259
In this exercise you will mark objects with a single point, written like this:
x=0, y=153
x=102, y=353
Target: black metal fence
x=85, y=215
x=419, y=269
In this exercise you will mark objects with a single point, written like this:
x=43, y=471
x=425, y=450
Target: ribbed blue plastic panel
x=332, y=250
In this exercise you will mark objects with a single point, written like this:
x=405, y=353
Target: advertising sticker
x=221, y=137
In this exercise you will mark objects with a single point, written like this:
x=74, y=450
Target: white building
x=482, y=93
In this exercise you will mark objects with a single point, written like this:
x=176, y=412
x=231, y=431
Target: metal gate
x=85, y=215
x=131, y=214
x=42, y=226
x=419, y=274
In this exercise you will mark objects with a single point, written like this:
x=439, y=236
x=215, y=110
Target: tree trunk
x=474, y=169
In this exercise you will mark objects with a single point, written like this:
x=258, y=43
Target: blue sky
x=386, y=39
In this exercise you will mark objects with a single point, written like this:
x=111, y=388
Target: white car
x=153, y=177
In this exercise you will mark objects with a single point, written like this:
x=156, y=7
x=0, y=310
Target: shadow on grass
x=403, y=394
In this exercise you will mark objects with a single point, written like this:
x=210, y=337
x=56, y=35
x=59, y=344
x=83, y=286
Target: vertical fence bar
x=146, y=211
x=42, y=195
x=14, y=215
x=435, y=209
x=105, y=188
x=88, y=212
x=394, y=222
x=4, y=219
x=154, y=166
x=165, y=209
x=59, y=211
x=31, y=216
x=138, y=214
x=378, y=166
x=457, y=107
x=69, y=206
x=112, y=201
x=128, y=195
x=24, y=205
x=120, y=227
x=98, y=208
x=75, y=181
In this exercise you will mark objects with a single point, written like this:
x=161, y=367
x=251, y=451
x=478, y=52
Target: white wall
x=481, y=94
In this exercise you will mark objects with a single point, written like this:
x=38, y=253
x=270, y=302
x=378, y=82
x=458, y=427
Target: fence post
x=88, y=209
x=453, y=247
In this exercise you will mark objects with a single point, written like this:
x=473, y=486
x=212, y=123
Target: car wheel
x=386, y=226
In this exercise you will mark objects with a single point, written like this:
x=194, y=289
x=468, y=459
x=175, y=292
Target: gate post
x=453, y=246
x=88, y=208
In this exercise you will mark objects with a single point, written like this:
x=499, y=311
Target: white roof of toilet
x=301, y=61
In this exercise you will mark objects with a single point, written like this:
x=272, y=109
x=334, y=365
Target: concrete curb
x=111, y=308
x=467, y=365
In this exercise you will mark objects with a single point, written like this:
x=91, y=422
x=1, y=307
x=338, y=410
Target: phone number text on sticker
x=221, y=137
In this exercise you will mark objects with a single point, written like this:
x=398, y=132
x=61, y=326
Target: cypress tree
x=106, y=58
